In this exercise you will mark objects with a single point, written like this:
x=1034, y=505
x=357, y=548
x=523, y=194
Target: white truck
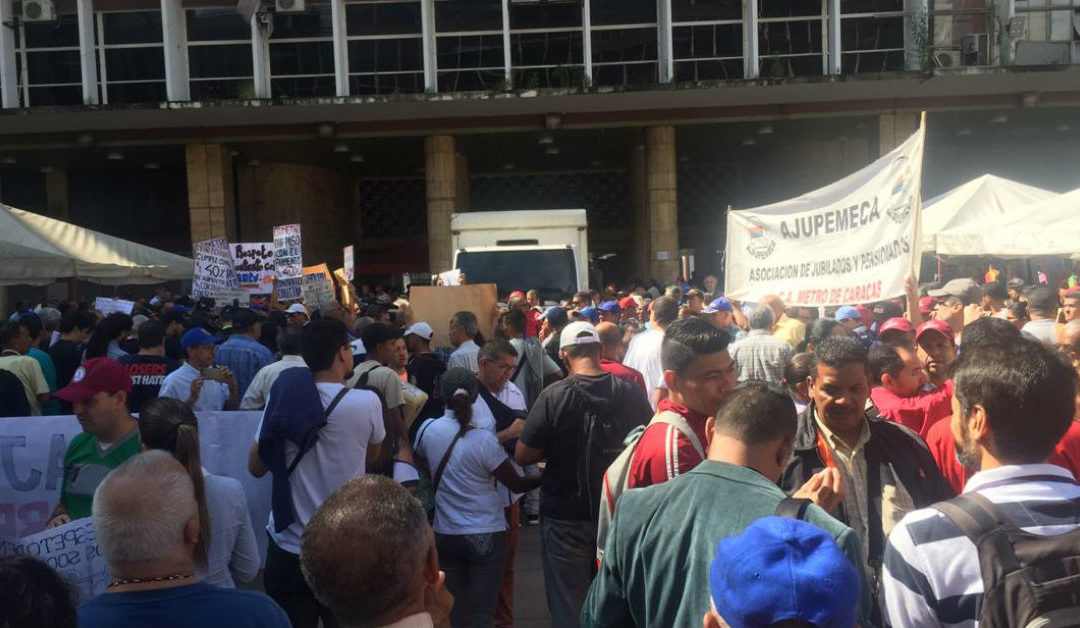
x=545, y=249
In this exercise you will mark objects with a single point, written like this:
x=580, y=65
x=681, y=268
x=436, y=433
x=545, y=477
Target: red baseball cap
x=94, y=376
x=626, y=302
x=940, y=327
x=926, y=305
x=516, y=294
x=898, y=323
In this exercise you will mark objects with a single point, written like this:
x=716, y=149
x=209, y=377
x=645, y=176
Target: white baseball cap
x=578, y=333
x=420, y=329
x=296, y=308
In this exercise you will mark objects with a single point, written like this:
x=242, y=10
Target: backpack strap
x=680, y=423
x=329, y=409
x=445, y=459
x=792, y=508
x=980, y=520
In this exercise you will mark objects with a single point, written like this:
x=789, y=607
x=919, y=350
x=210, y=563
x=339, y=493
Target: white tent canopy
x=35, y=249
x=977, y=204
x=1048, y=227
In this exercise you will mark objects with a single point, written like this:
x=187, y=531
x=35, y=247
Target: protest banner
x=32, y=465
x=213, y=269
x=254, y=265
x=854, y=241
x=318, y=287
x=108, y=306
x=436, y=304
x=350, y=260
x=71, y=550
x=288, y=262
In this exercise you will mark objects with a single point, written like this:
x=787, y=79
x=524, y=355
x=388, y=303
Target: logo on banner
x=899, y=201
x=761, y=245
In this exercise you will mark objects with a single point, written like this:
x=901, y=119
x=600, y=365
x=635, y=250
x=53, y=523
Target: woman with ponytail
x=470, y=525
x=226, y=551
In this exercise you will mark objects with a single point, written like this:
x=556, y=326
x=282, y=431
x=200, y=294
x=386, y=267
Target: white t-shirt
x=177, y=385
x=467, y=500
x=1044, y=330
x=643, y=355
x=339, y=455
x=514, y=399
x=465, y=356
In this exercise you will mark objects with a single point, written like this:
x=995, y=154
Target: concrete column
x=461, y=163
x=174, y=37
x=663, y=215
x=664, y=35
x=751, y=68
x=440, y=169
x=893, y=129
x=639, y=219
x=427, y=19
x=832, y=33
x=260, y=56
x=9, y=77
x=87, y=52
x=916, y=34
x=341, y=47
x=211, y=205
x=56, y=194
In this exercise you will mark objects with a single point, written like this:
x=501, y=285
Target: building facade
x=370, y=122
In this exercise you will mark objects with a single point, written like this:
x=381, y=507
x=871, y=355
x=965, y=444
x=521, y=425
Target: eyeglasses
x=505, y=368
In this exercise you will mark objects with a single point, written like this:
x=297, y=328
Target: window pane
x=386, y=55
x=701, y=10
x=471, y=80
x=871, y=6
x=864, y=62
x=223, y=89
x=137, y=92
x=315, y=57
x=53, y=67
x=219, y=61
x=637, y=44
x=143, y=27
x=216, y=25
x=386, y=84
x=302, y=87
x=474, y=51
x=637, y=74
x=565, y=15
x=468, y=15
x=371, y=18
x=781, y=67
x=315, y=22
x=63, y=32
x=687, y=71
x=66, y=95
x=696, y=42
x=788, y=8
x=134, y=64
x=623, y=11
x=546, y=49
x=783, y=38
x=867, y=33
x=539, y=78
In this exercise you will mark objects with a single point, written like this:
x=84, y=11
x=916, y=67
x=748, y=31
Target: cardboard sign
x=288, y=262
x=350, y=271
x=318, y=287
x=71, y=550
x=213, y=269
x=108, y=306
x=435, y=305
x=254, y=265
x=348, y=290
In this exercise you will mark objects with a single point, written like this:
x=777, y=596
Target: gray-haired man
x=761, y=355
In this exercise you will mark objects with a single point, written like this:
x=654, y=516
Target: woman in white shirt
x=470, y=525
x=226, y=552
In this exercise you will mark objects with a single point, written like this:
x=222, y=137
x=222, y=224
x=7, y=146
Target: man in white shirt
x=353, y=432
x=1042, y=308
x=196, y=383
x=288, y=341
x=376, y=566
x=463, y=330
x=643, y=354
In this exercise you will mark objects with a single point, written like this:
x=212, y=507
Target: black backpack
x=1029, y=580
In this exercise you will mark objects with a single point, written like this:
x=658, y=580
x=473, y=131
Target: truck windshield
x=550, y=271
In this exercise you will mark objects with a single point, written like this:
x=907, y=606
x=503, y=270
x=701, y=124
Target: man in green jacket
x=656, y=563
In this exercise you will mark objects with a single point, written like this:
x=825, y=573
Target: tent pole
x=72, y=295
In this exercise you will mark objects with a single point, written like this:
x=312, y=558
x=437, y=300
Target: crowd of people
x=688, y=459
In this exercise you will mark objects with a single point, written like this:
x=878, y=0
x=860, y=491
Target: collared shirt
x=932, y=572
x=760, y=356
x=790, y=330
x=30, y=374
x=465, y=356
x=664, y=451
x=244, y=356
x=177, y=385
x=259, y=390
x=419, y=620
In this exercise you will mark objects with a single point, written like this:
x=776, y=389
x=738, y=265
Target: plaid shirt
x=760, y=356
x=244, y=357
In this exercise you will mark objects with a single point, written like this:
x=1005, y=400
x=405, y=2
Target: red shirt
x=624, y=372
x=663, y=451
x=918, y=413
x=1067, y=452
x=940, y=440
x=532, y=325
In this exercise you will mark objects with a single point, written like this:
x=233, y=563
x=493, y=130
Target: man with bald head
x=147, y=525
x=787, y=328
x=612, y=351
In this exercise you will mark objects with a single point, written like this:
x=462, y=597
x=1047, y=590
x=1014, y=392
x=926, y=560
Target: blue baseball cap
x=721, y=304
x=848, y=313
x=555, y=316
x=196, y=336
x=589, y=313
x=610, y=306
x=783, y=569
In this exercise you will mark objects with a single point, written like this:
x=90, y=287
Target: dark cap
x=243, y=319
x=377, y=333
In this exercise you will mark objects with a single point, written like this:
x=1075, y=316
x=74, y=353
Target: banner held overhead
x=850, y=242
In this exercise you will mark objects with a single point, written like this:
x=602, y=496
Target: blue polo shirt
x=197, y=605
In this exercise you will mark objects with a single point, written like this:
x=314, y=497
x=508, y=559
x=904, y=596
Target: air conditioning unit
x=975, y=49
x=38, y=11
x=289, y=6
x=947, y=59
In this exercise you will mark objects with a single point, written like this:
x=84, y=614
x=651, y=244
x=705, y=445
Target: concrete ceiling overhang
x=989, y=88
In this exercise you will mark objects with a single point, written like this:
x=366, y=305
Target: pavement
x=530, y=605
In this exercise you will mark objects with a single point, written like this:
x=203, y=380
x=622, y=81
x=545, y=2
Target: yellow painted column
x=211, y=206
x=442, y=198
x=663, y=213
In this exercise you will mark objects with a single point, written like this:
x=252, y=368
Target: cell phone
x=215, y=373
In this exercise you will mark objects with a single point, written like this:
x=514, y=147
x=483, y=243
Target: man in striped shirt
x=1013, y=403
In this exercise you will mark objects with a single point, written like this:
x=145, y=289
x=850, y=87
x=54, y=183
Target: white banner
x=288, y=261
x=254, y=264
x=851, y=242
x=71, y=550
x=108, y=306
x=214, y=272
x=32, y=465
x=350, y=260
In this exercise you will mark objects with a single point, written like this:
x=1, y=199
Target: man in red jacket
x=898, y=377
